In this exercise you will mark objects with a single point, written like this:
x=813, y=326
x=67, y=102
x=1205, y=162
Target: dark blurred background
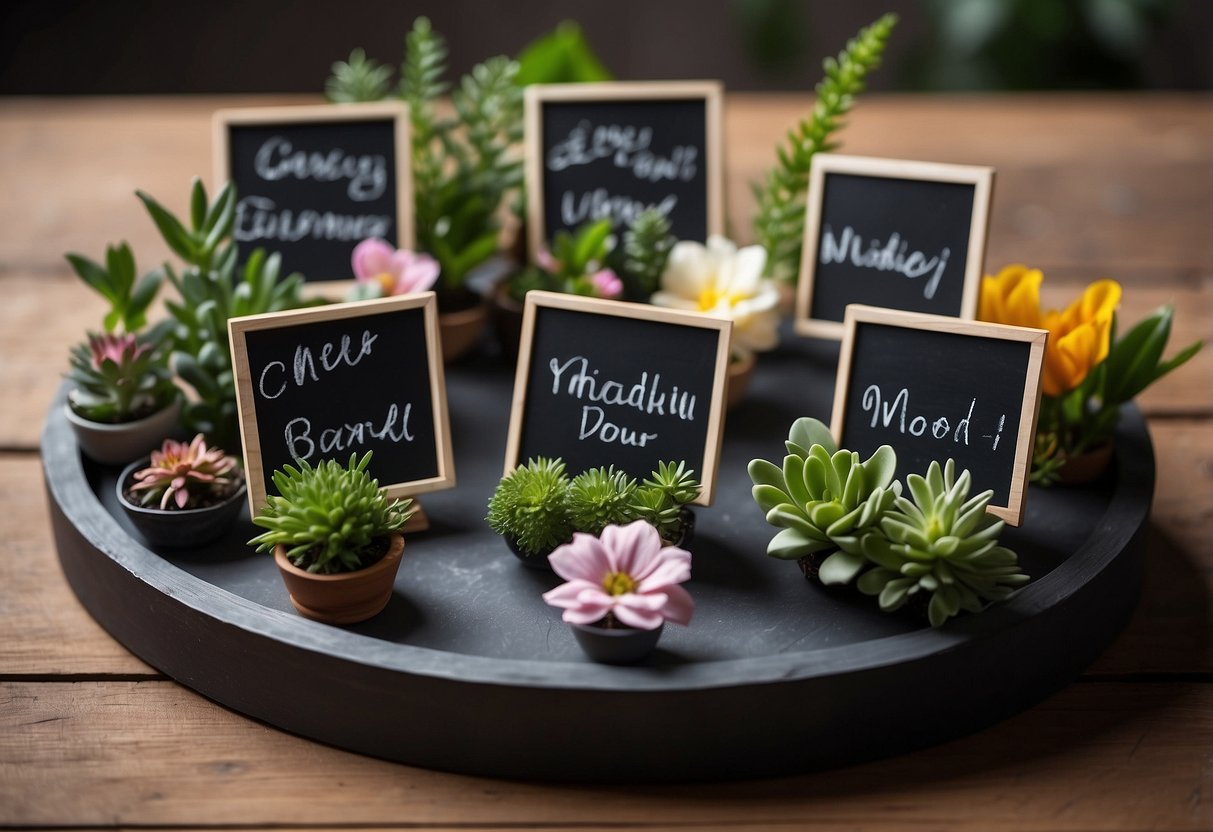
x=229, y=46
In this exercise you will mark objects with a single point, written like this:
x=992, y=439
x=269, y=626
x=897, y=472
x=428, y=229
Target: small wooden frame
x=327, y=363
x=359, y=188
x=915, y=216
x=999, y=364
x=614, y=338
x=611, y=101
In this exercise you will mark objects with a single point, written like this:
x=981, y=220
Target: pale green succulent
x=824, y=498
x=599, y=497
x=942, y=543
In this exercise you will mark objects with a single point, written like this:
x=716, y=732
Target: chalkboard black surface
x=610, y=383
x=313, y=182
x=599, y=150
x=936, y=388
x=890, y=233
x=323, y=383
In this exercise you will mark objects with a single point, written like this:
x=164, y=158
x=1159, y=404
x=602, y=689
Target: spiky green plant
x=358, y=79
x=779, y=223
x=824, y=498
x=660, y=498
x=942, y=544
x=646, y=248
x=119, y=378
x=600, y=497
x=115, y=281
x=530, y=506
x=330, y=517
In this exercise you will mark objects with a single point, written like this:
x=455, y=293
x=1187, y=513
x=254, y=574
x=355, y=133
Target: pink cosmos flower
x=398, y=271
x=117, y=348
x=626, y=573
x=606, y=284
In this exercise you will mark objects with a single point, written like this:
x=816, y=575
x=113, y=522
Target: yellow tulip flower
x=1012, y=297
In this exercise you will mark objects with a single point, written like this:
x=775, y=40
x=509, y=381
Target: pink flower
x=116, y=348
x=606, y=284
x=547, y=262
x=398, y=271
x=626, y=573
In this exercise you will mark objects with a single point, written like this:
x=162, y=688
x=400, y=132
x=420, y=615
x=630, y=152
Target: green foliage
x=569, y=265
x=530, y=506
x=330, y=517
x=115, y=282
x=779, y=223
x=824, y=498
x=563, y=56
x=463, y=168
x=659, y=500
x=358, y=79
x=1135, y=361
x=646, y=248
x=120, y=378
x=210, y=291
x=942, y=544
x=599, y=497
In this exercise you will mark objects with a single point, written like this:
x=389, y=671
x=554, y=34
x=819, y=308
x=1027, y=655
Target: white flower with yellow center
x=726, y=282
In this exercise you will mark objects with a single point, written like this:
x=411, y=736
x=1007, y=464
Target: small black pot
x=616, y=645
x=538, y=560
x=183, y=528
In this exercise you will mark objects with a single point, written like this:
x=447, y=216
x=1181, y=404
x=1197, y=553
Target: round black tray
x=468, y=670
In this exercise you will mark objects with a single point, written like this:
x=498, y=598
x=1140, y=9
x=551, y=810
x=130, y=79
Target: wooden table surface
x=1087, y=187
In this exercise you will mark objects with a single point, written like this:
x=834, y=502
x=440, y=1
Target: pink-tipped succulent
x=606, y=284
x=119, y=378
x=625, y=575
x=185, y=475
x=396, y=271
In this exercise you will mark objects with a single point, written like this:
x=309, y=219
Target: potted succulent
x=1088, y=371
x=537, y=506
x=621, y=587
x=843, y=518
x=335, y=537
x=184, y=494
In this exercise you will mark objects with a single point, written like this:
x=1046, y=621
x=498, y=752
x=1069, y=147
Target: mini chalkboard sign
x=325, y=382
x=891, y=233
x=603, y=382
x=615, y=149
x=935, y=388
x=314, y=181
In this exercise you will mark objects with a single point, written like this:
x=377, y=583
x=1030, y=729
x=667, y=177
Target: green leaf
x=198, y=205
x=840, y=568
x=793, y=544
x=763, y=472
x=807, y=432
x=93, y=274
x=768, y=497
x=171, y=229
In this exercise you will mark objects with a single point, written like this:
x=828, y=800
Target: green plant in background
x=530, y=506
x=599, y=497
x=779, y=222
x=824, y=499
x=212, y=289
x=115, y=281
x=942, y=544
x=120, y=378
x=331, y=518
x=562, y=56
x=357, y=80
x=576, y=264
x=647, y=242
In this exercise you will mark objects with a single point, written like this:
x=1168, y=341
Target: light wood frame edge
x=537, y=94
x=856, y=313
x=982, y=180
x=635, y=311
x=247, y=411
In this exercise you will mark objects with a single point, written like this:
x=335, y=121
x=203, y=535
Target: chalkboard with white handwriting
x=313, y=182
x=936, y=388
x=614, y=150
x=890, y=233
x=608, y=383
x=323, y=383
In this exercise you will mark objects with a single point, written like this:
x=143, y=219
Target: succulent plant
x=330, y=517
x=646, y=248
x=824, y=498
x=943, y=543
x=600, y=497
x=530, y=506
x=186, y=475
x=358, y=79
x=119, y=378
x=661, y=498
x=115, y=281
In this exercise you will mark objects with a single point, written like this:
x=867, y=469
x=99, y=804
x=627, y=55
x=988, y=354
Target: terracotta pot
x=118, y=444
x=460, y=330
x=616, y=645
x=180, y=527
x=344, y=597
x=1086, y=467
x=738, y=379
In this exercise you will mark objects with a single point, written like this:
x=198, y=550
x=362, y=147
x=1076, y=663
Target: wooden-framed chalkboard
x=891, y=233
x=326, y=382
x=614, y=149
x=935, y=388
x=603, y=382
x=314, y=181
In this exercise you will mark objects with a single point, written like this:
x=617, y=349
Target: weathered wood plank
x=1106, y=756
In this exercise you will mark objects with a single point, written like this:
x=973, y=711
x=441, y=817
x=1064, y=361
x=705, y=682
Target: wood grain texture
x=1107, y=756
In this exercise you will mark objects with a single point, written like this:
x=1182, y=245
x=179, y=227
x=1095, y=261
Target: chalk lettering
x=394, y=428
x=367, y=175
x=627, y=147
x=595, y=425
x=893, y=256
x=303, y=365
x=258, y=218
x=893, y=414
x=599, y=203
